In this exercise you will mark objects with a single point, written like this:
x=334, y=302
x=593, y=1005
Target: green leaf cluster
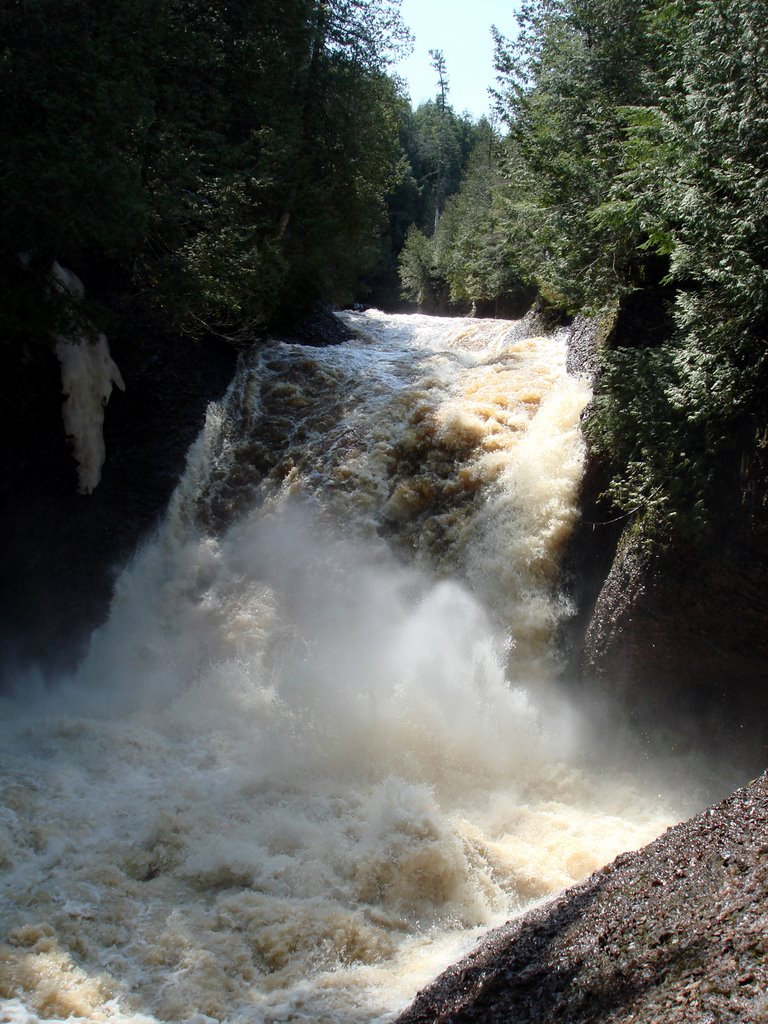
x=435, y=148
x=636, y=166
x=220, y=162
x=468, y=259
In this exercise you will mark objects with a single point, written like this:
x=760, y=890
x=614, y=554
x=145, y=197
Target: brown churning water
x=307, y=760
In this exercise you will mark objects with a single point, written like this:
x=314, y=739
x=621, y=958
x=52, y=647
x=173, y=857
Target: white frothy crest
x=305, y=760
x=88, y=372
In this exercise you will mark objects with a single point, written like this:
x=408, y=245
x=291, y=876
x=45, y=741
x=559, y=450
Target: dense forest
x=632, y=176
x=221, y=167
x=210, y=161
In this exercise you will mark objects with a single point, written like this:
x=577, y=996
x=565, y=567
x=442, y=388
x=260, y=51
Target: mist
x=319, y=743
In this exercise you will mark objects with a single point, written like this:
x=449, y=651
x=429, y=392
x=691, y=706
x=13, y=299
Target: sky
x=462, y=30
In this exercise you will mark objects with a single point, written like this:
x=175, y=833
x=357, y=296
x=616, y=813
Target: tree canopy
x=632, y=172
x=219, y=160
x=222, y=164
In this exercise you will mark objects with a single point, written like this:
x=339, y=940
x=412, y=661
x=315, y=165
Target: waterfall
x=316, y=749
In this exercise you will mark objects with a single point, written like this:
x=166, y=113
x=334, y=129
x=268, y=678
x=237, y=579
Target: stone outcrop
x=62, y=549
x=685, y=635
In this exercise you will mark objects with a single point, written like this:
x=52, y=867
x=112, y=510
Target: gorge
x=320, y=742
x=339, y=638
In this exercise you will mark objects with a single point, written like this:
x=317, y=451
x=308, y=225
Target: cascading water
x=309, y=755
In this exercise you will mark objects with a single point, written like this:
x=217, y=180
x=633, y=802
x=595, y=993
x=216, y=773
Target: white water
x=315, y=749
x=88, y=372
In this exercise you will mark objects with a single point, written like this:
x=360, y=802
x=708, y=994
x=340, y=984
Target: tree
x=468, y=259
x=438, y=63
x=220, y=161
x=435, y=145
x=701, y=157
x=717, y=206
x=421, y=279
x=636, y=170
x=75, y=100
x=473, y=246
x=284, y=203
x=567, y=84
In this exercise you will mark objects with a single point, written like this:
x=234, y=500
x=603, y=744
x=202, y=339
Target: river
x=318, y=747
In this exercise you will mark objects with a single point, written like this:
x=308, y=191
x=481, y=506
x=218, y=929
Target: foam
x=311, y=755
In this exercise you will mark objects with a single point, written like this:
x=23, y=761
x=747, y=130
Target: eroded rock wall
x=678, y=636
x=61, y=549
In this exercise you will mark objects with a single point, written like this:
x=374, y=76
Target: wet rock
x=321, y=327
x=680, y=638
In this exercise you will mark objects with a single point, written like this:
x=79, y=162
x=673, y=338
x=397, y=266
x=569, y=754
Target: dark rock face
x=320, y=328
x=583, y=347
x=61, y=549
x=592, y=547
x=513, y=305
x=678, y=637
x=682, y=638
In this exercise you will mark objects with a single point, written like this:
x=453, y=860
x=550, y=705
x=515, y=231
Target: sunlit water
x=315, y=749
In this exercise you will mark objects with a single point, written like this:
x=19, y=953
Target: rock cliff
x=62, y=549
x=677, y=635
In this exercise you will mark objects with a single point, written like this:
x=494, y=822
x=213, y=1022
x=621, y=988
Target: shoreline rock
x=676, y=932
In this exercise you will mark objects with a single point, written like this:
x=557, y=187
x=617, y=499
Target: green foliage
x=710, y=168
x=75, y=97
x=636, y=164
x=225, y=160
x=437, y=143
x=470, y=258
x=419, y=273
x=719, y=200
x=435, y=147
x=336, y=209
x=666, y=476
x=474, y=247
x=567, y=82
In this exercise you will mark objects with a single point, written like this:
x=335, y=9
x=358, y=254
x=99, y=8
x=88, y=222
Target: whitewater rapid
x=316, y=749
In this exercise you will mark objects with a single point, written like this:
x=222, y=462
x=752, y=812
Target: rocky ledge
x=677, y=932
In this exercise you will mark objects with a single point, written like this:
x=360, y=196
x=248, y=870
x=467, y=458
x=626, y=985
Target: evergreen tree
x=76, y=96
x=567, y=84
x=436, y=144
x=223, y=161
x=468, y=259
x=438, y=63
x=635, y=165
